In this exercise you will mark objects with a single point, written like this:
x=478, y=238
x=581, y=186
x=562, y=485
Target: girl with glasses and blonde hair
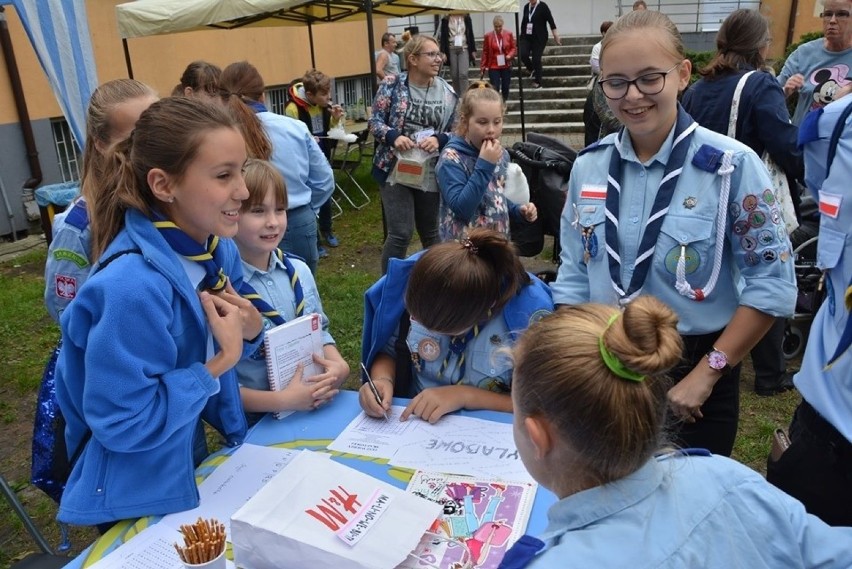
x=667, y=208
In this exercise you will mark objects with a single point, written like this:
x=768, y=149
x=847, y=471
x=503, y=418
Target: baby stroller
x=809, y=281
x=546, y=164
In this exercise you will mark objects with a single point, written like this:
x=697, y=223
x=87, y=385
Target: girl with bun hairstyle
x=589, y=418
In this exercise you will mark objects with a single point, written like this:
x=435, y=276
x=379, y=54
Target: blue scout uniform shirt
x=757, y=248
x=300, y=160
x=830, y=391
x=688, y=511
x=485, y=367
x=273, y=285
x=68, y=265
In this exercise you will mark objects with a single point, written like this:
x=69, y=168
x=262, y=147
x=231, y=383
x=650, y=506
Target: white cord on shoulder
x=682, y=286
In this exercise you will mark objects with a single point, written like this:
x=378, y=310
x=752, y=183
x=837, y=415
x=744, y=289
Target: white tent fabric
x=59, y=33
x=153, y=17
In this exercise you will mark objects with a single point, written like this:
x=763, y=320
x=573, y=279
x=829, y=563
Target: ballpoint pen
x=374, y=390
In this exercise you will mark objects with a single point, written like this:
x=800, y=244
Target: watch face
x=717, y=360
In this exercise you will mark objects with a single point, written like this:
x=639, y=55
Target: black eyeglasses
x=839, y=14
x=647, y=84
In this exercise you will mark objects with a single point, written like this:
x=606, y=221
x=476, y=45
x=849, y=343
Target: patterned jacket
x=388, y=119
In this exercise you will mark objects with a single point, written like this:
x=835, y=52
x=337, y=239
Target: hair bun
x=645, y=338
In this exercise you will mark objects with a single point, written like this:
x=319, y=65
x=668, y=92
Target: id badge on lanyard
x=501, y=59
x=529, y=30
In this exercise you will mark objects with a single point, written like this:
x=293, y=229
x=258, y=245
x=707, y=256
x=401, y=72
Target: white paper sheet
x=455, y=444
x=222, y=493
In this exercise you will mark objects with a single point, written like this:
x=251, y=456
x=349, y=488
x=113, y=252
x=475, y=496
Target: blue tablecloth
x=315, y=431
x=57, y=194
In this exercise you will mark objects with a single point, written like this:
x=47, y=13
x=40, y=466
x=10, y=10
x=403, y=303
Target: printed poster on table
x=481, y=520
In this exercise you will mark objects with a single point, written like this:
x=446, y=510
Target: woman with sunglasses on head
x=667, y=208
x=415, y=109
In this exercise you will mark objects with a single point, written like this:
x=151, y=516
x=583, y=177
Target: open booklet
x=288, y=345
x=481, y=520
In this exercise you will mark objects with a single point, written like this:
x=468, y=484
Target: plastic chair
x=45, y=559
x=348, y=162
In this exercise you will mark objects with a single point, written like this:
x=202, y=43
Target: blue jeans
x=406, y=209
x=301, y=235
x=500, y=79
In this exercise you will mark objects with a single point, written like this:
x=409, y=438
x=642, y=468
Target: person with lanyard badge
x=533, y=40
x=287, y=285
x=413, y=110
x=817, y=466
x=458, y=45
x=436, y=324
x=498, y=52
x=290, y=146
x=736, y=78
x=667, y=208
x=589, y=425
x=387, y=60
x=150, y=342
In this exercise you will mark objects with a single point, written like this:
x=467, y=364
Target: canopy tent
x=155, y=17
x=59, y=33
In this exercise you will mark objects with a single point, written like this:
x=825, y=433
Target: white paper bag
x=299, y=519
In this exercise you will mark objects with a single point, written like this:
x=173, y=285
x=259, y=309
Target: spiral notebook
x=288, y=345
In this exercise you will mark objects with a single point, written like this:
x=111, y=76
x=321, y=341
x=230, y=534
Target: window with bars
x=70, y=157
x=356, y=95
x=276, y=98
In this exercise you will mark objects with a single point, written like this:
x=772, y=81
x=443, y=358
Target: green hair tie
x=614, y=364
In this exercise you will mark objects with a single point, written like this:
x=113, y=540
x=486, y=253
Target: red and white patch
x=829, y=204
x=66, y=287
x=593, y=192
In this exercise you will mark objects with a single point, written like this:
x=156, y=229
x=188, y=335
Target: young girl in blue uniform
x=286, y=283
x=471, y=171
x=113, y=110
x=668, y=208
x=150, y=342
x=435, y=325
x=589, y=426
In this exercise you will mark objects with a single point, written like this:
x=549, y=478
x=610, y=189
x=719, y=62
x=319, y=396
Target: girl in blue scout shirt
x=113, y=111
x=150, y=342
x=817, y=467
x=286, y=283
x=435, y=323
x=589, y=424
x=471, y=171
x=667, y=208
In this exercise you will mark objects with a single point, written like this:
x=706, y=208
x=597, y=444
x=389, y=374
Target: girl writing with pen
x=435, y=323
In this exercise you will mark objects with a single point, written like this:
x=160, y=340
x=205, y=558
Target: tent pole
x=127, y=58
x=311, y=42
x=520, y=79
x=371, y=43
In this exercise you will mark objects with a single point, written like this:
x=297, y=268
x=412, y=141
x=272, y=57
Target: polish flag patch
x=829, y=204
x=593, y=192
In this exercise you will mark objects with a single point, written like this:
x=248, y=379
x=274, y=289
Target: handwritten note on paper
x=233, y=483
x=460, y=445
x=367, y=436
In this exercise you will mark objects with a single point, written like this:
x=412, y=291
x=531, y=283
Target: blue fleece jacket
x=131, y=371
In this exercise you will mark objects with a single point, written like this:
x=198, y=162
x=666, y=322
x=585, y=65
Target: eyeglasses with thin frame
x=647, y=84
x=839, y=14
x=430, y=54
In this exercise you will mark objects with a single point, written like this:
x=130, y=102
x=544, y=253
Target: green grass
x=27, y=334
